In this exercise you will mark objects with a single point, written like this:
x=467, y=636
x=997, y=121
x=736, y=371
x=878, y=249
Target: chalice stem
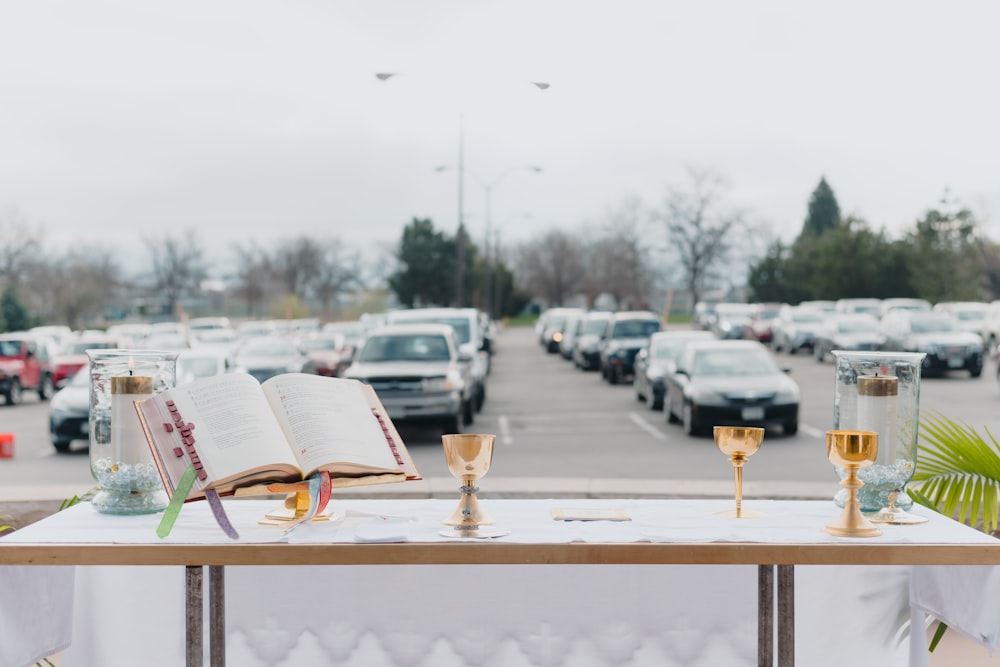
x=738, y=473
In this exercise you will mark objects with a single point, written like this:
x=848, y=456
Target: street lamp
x=460, y=236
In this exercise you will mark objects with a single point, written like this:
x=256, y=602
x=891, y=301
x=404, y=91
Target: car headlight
x=787, y=396
x=704, y=396
x=655, y=373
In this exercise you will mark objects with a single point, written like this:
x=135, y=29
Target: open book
x=239, y=432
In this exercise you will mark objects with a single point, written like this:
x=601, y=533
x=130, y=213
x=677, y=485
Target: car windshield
x=970, y=315
x=667, y=349
x=635, y=328
x=733, y=362
x=10, y=348
x=932, y=325
x=268, y=348
x=459, y=324
x=82, y=347
x=857, y=326
x=593, y=326
x=417, y=347
x=807, y=316
x=313, y=344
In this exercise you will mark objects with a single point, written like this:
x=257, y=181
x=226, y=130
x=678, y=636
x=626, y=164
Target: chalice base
x=473, y=532
x=741, y=514
x=852, y=524
x=896, y=517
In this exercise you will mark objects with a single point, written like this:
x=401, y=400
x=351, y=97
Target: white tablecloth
x=493, y=614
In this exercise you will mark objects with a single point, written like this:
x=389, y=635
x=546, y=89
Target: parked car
x=624, y=334
x=69, y=412
x=266, y=356
x=586, y=347
x=25, y=364
x=971, y=315
x=859, y=305
x=762, y=321
x=199, y=362
x=326, y=354
x=704, y=315
x=470, y=335
x=732, y=320
x=353, y=332
x=938, y=335
x=731, y=383
x=418, y=372
x=657, y=359
x=857, y=332
x=73, y=355
x=554, y=321
x=571, y=329
x=921, y=305
x=795, y=328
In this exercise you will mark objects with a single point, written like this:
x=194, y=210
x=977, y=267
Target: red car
x=74, y=355
x=326, y=354
x=24, y=364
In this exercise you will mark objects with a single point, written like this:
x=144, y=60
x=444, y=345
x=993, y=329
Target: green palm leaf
x=958, y=472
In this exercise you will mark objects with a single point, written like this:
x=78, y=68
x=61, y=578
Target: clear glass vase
x=120, y=460
x=880, y=391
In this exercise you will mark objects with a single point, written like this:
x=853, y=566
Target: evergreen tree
x=13, y=315
x=824, y=211
x=426, y=274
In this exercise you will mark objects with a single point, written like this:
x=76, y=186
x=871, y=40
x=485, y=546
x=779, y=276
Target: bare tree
x=699, y=227
x=178, y=266
x=20, y=246
x=339, y=269
x=552, y=266
x=84, y=285
x=296, y=264
x=620, y=259
x=252, y=275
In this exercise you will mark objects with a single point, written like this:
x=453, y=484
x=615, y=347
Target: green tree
x=944, y=257
x=824, y=211
x=426, y=273
x=766, y=278
x=13, y=315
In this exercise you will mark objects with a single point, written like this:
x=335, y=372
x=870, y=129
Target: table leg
x=193, y=628
x=217, y=615
x=786, y=616
x=765, y=616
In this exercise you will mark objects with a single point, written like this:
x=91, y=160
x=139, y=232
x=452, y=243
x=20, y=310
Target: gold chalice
x=468, y=456
x=852, y=450
x=738, y=443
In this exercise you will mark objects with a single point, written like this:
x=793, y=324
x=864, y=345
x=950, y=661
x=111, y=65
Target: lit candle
x=877, y=412
x=128, y=443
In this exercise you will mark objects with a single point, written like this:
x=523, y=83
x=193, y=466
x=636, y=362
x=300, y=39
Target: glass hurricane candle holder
x=120, y=460
x=880, y=392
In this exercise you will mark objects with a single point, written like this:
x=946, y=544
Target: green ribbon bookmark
x=176, y=502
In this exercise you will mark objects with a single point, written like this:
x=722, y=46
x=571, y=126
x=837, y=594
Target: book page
x=234, y=428
x=328, y=421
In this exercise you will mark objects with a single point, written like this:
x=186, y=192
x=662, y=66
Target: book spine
x=186, y=431
x=388, y=437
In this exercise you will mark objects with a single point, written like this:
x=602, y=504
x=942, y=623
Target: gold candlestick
x=852, y=450
x=738, y=443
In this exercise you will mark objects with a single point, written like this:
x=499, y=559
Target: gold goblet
x=852, y=450
x=738, y=443
x=468, y=456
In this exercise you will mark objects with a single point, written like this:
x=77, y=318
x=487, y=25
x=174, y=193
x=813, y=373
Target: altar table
x=610, y=570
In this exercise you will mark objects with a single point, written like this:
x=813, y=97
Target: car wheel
x=687, y=420
x=45, y=388
x=976, y=372
x=452, y=424
x=468, y=411
x=13, y=395
x=62, y=446
x=791, y=428
x=639, y=396
x=480, y=398
x=613, y=376
x=654, y=402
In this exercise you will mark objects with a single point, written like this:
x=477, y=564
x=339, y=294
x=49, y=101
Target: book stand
x=295, y=508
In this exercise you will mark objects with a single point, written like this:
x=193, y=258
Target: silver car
x=418, y=373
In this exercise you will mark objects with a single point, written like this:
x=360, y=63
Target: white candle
x=877, y=412
x=128, y=443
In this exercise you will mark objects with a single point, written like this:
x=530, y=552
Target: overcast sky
x=246, y=119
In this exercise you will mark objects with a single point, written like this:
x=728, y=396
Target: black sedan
x=730, y=383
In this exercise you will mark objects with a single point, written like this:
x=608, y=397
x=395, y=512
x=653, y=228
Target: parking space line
x=812, y=431
x=646, y=426
x=504, y=428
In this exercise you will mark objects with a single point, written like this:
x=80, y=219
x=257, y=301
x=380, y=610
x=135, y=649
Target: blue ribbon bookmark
x=176, y=502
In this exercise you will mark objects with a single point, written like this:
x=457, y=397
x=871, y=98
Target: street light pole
x=460, y=237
